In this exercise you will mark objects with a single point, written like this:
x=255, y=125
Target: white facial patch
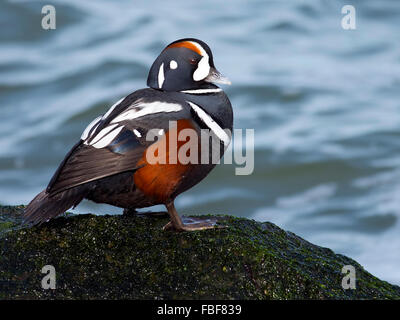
x=161, y=77
x=173, y=64
x=203, y=67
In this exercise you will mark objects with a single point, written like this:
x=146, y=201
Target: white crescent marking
x=210, y=122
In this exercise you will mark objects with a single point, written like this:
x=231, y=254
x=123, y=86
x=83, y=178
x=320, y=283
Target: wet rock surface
x=131, y=257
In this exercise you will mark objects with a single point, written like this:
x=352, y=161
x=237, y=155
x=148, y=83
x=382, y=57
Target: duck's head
x=183, y=65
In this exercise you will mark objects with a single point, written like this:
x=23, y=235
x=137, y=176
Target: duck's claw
x=193, y=224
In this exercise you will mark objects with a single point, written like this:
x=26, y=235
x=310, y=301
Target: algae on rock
x=131, y=257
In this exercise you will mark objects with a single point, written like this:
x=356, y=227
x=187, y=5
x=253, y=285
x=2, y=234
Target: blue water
x=324, y=103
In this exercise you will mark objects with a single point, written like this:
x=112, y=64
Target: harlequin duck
x=110, y=163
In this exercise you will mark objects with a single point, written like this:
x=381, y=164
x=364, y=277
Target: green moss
x=131, y=257
x=5, y=226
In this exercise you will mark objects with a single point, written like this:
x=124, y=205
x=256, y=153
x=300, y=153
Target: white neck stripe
x=201, y=91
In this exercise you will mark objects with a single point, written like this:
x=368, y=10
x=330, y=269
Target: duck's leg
x=187, y=224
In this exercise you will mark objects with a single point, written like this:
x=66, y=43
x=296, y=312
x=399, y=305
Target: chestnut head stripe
x=186, y=44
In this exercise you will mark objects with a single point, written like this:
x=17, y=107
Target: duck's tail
x=46, y=206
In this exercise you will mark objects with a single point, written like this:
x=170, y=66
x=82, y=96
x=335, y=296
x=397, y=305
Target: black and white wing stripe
x=102, y=131
x=113, y=143
x=91, y=128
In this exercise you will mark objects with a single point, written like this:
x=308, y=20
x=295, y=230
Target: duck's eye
x=193, y=61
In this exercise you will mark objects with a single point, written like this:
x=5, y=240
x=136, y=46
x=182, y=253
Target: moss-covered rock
x=130, y=257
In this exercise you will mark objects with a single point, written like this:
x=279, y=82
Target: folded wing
x=113, y=143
